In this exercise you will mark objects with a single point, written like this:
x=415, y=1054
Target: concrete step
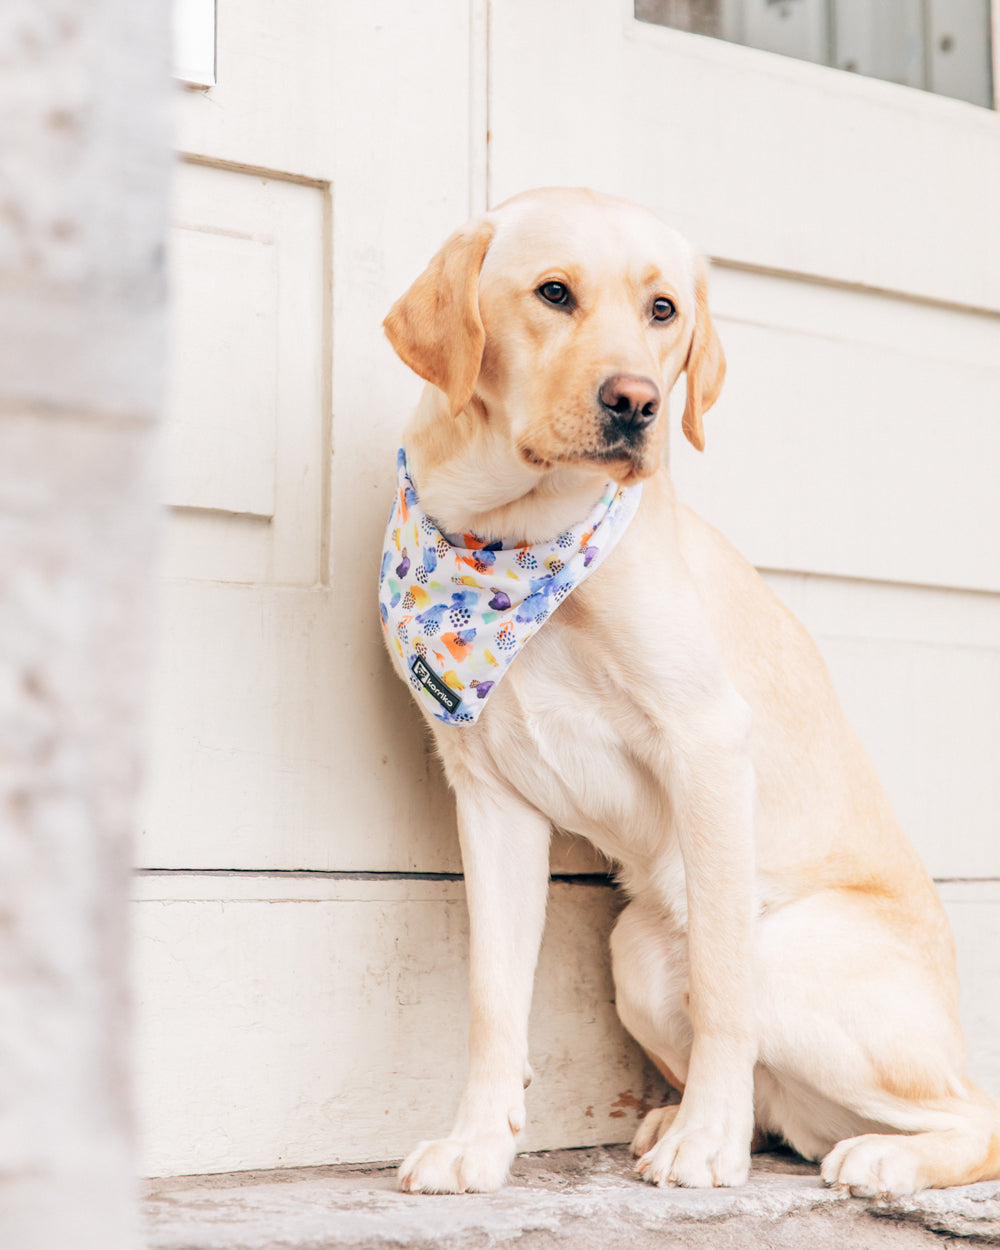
x=571, y=1199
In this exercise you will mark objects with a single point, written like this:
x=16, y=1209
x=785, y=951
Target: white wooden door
x=300, y=918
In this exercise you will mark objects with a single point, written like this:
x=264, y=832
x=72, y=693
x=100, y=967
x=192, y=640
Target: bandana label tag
x=435, y=686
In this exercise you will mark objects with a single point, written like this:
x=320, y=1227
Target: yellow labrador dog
x=783, y=958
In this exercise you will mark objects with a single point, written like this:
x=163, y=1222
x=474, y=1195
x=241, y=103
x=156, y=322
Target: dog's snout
x=631, y=402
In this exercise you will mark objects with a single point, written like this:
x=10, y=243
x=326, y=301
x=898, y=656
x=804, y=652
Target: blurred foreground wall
x=84, y=162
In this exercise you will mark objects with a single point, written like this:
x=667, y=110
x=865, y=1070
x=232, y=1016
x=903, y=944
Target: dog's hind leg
x=880, y=1163
x=861, y=1055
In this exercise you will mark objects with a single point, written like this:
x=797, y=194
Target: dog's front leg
x=713, y=788
x=505, y=854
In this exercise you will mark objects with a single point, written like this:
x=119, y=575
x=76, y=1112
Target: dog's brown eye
x=554, y=292
x=664, y=309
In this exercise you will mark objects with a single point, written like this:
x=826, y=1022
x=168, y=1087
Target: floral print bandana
x=458, y=609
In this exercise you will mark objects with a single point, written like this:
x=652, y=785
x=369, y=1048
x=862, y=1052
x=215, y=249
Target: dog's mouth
x=629, y=448
x=623, y=450
x=623, y=460
x=623, y=466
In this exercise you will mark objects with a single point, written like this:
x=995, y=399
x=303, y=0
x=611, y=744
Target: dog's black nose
x=631, y=402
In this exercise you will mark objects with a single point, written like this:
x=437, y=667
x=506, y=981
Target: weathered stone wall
x=83, y=173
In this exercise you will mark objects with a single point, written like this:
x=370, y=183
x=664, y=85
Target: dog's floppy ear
x=706, y=364
x=435, y=328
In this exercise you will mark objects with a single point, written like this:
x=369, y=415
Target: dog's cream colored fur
x=784, y=958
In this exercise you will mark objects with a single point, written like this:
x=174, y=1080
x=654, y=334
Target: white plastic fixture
x=194, y=42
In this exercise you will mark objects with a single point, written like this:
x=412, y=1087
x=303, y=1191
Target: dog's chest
x=567, y=731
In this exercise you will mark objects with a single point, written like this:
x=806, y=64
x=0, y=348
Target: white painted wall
x=290, y=1019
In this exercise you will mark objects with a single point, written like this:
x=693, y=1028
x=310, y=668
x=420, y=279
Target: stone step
x=572, y=1199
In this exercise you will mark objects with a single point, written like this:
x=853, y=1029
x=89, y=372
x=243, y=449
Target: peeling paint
x=627, y=1099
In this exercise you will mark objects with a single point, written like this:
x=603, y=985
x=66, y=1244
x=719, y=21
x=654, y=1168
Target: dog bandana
x=458, y=609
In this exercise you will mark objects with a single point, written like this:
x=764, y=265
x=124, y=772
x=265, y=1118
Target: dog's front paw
x=696, y=1158
x=453, y=1166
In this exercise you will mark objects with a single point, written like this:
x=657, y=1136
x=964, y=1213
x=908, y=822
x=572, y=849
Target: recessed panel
x=220, y=427
x=918, y=673
x=855, y=435
x=247, y=443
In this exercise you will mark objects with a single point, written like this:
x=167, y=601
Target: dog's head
x=568, y=316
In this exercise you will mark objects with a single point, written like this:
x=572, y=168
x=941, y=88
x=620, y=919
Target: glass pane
x=940, y=45
x=884, y=40
x=699, y=17
x=960, y=50
x=790, y=27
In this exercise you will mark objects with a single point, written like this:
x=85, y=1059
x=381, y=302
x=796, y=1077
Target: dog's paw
x=695, y=1158
x=452, y=1166
x=873, y=1166
x=654, y=1126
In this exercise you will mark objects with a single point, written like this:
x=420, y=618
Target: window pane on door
x=939, y=45
x=960, y=57
x=796, y=28
x=884, y=40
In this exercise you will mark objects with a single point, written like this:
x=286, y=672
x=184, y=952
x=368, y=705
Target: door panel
x=349, y=1000
x=761, y=159
x=246, y=418
x=855, y=435
x=281, y=737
